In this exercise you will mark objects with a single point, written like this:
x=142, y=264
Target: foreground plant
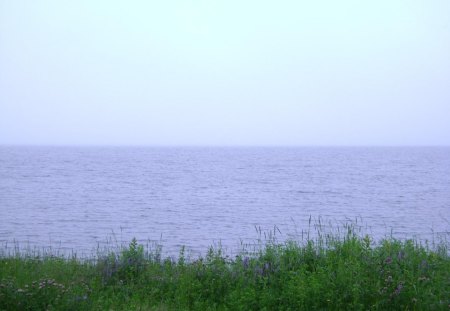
x=332, y=273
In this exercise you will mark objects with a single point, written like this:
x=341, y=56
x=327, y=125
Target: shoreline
x=330, y=272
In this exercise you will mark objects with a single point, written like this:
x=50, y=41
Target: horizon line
x=226, y=145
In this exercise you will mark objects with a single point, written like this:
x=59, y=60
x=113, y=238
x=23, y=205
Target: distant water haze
x=225, y=72
x=76, y=197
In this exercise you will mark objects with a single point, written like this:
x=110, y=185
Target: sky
x=295, y=73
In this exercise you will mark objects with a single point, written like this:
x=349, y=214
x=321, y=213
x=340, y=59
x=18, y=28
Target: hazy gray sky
x=225, y=72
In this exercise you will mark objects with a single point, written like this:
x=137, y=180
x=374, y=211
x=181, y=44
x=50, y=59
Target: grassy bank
x=347, y=273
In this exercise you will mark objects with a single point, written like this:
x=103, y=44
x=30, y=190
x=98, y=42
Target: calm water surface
x=77, y=197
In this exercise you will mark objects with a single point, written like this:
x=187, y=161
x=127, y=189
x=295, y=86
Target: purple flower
x=398, y=289
x=246, y=262
x=259, y=271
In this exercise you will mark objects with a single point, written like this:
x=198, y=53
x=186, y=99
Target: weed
x=331, y=272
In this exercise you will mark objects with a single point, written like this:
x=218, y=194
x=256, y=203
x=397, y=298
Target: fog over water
x=225, y=72
x=76, y=197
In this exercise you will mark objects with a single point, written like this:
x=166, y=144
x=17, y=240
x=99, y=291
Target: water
x=79, y=197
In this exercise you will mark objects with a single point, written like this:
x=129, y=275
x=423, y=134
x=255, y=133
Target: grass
x=348, y=272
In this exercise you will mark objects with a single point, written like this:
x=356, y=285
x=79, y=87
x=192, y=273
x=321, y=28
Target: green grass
x=327, y=273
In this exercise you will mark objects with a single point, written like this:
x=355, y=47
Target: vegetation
x=346, y=273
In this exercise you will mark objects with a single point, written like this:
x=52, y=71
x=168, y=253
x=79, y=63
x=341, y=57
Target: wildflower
x=388, y=260
x=259, y=271
x=246, y=262
x=398, y=289
x=20, y=290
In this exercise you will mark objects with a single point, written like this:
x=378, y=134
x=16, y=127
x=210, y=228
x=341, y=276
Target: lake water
x=80, y=197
